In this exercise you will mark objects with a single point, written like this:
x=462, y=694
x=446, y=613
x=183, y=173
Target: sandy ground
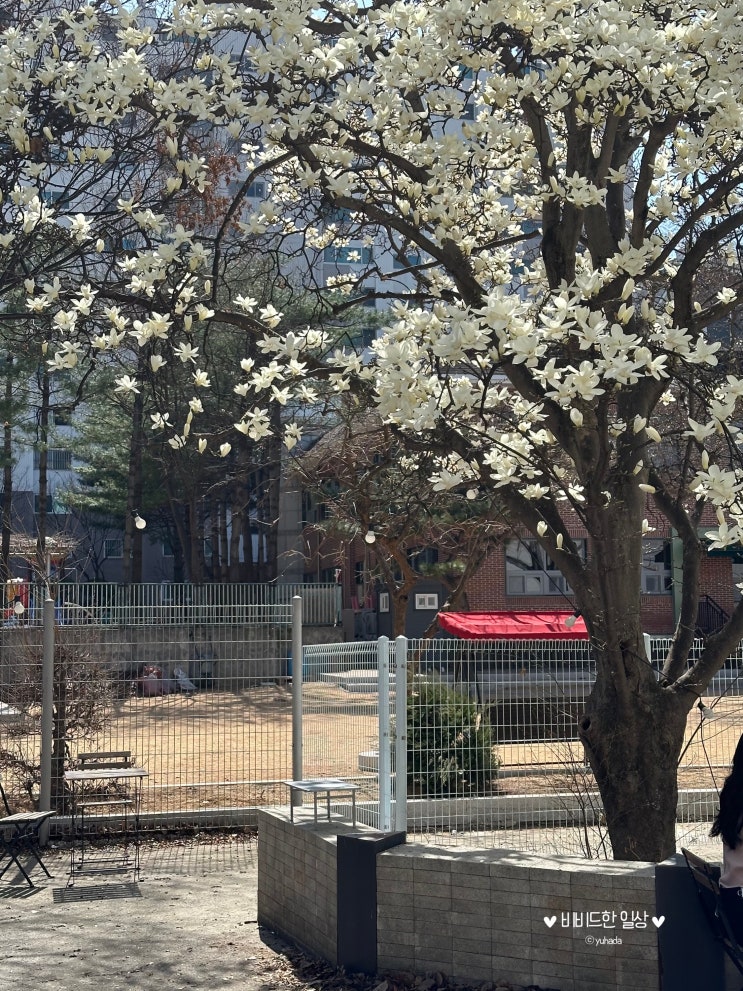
x=227, y=749
x=192, y=914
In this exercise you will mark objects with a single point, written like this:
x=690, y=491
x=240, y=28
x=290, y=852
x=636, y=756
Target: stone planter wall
x=556, y=922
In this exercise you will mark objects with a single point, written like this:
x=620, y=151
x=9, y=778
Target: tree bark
x=633, y=743
x=7, y=523
x=132, y=564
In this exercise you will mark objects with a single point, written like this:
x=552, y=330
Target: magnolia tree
x=374, y=491
x=532, y=188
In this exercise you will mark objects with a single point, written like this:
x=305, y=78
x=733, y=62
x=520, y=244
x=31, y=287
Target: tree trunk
x=633, y=744
x=7, y=524
x=132, y=564
x=248, y=569
x=224, y=547
x=214, y=523
x=273, y=493
x=633, y=726
x=196, y=530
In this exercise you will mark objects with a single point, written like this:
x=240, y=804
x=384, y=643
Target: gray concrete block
x=467, y=927
x=430, y=879
x=541, y=953
x=478, y=945
x=597, y=962
x=432, y=908
x=472, y=967
x=509, y=882
x=543, y=891
x=553, y=976
x=390, y=961
x=472, y=908
x=433, y=862
x=513, y=968
x=476, y=882
x=471, y=868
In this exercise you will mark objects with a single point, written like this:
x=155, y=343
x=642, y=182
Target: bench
x=326, y=787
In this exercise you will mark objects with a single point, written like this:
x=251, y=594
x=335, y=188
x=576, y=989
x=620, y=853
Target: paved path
x=191, y=922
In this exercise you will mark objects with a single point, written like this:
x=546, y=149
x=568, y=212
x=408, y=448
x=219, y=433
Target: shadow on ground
x=190, y=922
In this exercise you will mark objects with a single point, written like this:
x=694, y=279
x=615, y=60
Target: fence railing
x=206, y=710
x=492, y=749
x=346, y=694
x=171, y=603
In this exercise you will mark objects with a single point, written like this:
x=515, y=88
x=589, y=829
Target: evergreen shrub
x=450, y=742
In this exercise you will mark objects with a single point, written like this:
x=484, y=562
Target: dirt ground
x=228, y=749
x=190, y=923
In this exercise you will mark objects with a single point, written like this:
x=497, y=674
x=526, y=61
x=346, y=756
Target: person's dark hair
x=729, y=819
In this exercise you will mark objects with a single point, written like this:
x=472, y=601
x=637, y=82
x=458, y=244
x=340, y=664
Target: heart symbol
x=550, y=920
x=658, y=922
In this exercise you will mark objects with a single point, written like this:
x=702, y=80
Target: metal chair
x=19, y=834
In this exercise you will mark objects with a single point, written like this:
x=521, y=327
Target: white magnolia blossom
x=535, y=172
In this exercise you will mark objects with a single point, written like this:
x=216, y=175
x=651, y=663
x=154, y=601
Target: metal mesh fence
x=493, y=755
x=204, y=707
x=169, y=603
x=341, y=701
x=520, y=700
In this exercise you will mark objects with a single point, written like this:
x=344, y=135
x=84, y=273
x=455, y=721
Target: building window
x=410, y=260
x=384, y=601
x=656, y=567
x=427, y=601
x=167, y=549
x=422, y=558
x=49, y=505
x=55, y=503
x=57, y=459
x=530, y=570
x=348, y=255
x=62, y=416
x=113, y=548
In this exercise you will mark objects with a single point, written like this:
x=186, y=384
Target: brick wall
x=297, y=881
x=480, y=916
x=486, y=591
x=473, y=915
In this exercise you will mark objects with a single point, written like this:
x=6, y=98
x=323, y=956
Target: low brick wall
x=297, y=881
x=481, y=916
x=557, y=922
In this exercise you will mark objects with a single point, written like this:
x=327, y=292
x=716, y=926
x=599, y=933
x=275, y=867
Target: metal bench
x=322, y=786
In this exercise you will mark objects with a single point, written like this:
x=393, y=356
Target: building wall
x=486, y=590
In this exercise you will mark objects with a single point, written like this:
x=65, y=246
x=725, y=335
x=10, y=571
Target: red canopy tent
x=513, y=625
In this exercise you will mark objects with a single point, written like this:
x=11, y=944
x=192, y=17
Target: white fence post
x=47, y=714
x=297, y=659
x=401, y=734
x=385, y=769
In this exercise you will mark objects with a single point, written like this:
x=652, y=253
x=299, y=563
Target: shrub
x=450, y=744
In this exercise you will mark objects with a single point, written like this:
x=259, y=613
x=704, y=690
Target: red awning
x=513, y=625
